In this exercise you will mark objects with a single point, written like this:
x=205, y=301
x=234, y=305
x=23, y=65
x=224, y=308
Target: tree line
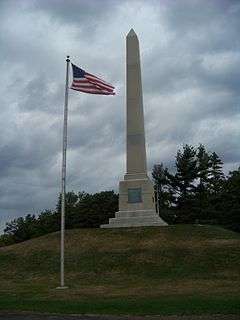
x=197, y=192
x=83, y=210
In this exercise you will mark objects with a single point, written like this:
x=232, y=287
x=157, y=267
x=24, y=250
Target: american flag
x=87, y=82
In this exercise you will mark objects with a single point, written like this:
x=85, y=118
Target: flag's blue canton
x=78, y=72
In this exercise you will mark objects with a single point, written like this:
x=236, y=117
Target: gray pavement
x=28, y=316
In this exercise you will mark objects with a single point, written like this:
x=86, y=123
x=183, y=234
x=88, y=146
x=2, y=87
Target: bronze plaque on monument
x=134, y=195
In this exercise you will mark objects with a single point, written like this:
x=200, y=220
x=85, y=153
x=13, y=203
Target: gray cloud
x=190, y=70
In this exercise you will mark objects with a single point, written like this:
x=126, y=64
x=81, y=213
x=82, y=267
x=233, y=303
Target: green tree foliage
x=203, y=166
x=216, y=180
x=89, y=210
x=163, y=192
x=22, y=228
x=202, y=184
x=215, y=188
x=230, y=201
x=83, y=210
x=198, y=191
x=186, y=165
x=182, y=184
x=6, y=240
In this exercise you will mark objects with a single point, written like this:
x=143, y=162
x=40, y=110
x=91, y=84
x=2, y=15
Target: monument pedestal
x=136, y=204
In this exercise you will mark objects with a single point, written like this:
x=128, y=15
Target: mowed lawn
x=181, y=269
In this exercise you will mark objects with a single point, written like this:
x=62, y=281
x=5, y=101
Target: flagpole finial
x=68, y=60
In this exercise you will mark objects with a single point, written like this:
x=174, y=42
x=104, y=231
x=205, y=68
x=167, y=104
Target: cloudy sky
x=190, y=52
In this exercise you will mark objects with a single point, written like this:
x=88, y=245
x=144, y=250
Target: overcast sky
x=190, y=53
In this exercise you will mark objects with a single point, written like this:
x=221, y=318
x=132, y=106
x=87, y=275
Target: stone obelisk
x=136, y=196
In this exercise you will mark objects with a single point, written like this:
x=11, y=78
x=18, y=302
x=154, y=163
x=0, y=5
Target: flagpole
x=63, y=193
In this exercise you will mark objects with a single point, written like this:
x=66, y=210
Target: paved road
x=28, y=316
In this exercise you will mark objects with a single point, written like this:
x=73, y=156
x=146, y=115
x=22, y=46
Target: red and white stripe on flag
x=88, y=83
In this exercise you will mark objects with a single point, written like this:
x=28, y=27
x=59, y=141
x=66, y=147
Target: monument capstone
x=136, y=195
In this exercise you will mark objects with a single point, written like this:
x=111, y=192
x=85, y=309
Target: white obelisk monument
x=136, y=195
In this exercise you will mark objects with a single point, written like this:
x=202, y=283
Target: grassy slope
x=152, y=270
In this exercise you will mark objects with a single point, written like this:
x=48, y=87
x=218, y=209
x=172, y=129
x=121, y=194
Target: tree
x=186, y=165
x=6, y=240
x=163, y=193
x=203, y=165
x=71, y=199
x=83, y=210
x=48, y=221
x=216, y=174
x=22, y=228
x=229, y=213
x=93, y=210
x=215, y=188
x=182, y=183
x=201, y=191
x=161, y=183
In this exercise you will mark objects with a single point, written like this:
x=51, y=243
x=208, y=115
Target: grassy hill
x=150, y=270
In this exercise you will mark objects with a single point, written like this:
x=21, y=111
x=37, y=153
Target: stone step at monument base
x=136, y=214
x=138, y=218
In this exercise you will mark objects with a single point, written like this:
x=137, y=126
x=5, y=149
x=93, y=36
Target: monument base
x=138, y=218
x=136, y=204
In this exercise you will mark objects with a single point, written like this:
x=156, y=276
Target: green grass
x=188, y=305
x=151, y=270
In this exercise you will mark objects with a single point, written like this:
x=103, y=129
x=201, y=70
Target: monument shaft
x=136, y=151
x=136, y=205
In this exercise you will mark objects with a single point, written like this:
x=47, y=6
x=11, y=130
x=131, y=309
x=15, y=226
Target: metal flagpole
x=64, y=151
x=158, y=200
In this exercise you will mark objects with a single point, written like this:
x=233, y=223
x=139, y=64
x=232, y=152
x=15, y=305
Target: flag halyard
x=88, y=83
